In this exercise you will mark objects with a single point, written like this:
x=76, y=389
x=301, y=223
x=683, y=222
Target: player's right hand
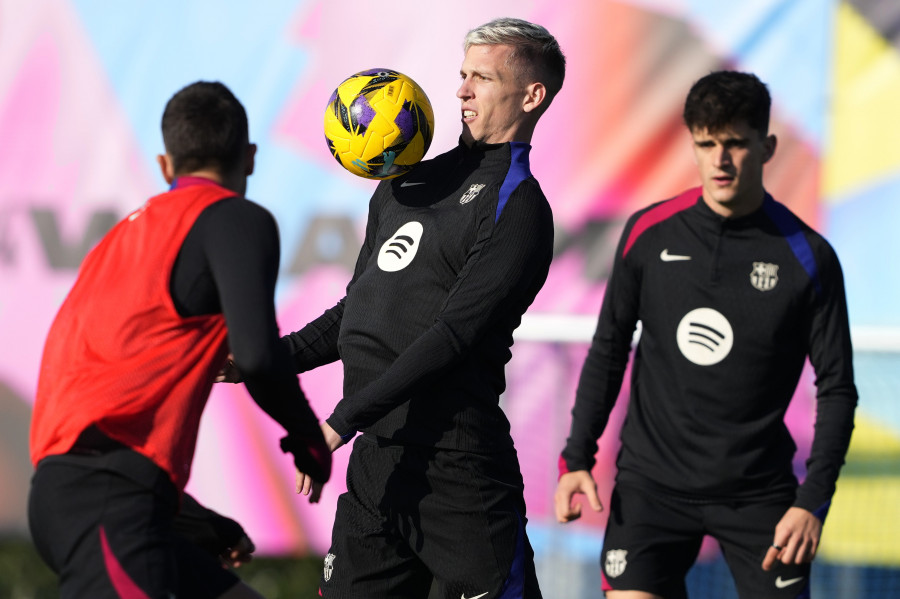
x=241, y=553
x=571, y=484
x=229, y=372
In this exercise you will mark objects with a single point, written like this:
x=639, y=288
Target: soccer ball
x=378, y=124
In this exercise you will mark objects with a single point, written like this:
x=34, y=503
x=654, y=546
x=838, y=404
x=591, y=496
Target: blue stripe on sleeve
x=789, y=225
x=519, y=170
x=822, y=511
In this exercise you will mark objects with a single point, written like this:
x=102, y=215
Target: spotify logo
x=704, y=336
x=398, y=251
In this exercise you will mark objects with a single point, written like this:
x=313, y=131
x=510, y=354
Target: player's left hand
x=796, y=539
x=241, y=553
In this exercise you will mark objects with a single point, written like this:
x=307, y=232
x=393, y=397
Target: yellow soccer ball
x=378, y=124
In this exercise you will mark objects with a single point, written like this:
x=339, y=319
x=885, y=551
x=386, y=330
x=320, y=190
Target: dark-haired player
x=733, y=293
x=130, y=360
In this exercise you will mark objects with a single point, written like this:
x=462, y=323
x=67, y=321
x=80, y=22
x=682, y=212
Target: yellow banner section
x=863, y=526
x=864, y=127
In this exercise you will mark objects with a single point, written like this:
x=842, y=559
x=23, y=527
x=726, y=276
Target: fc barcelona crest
x=615, y=562
x=329, y=566
x=764, y=276
x=471, y=193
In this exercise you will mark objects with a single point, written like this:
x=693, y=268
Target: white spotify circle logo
x=704, y=336
x=398, y=251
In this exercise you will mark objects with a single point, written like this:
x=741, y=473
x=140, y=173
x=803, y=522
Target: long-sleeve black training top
x=729, y=311
x=455, y=252
x=228, y=263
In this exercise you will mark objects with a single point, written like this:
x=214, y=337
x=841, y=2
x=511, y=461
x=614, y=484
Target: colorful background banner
x=82, y=88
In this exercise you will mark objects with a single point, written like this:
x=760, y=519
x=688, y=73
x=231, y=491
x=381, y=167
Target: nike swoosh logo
x=410, y=184
x=786, y=583
x=463, y=596
x=665, y=256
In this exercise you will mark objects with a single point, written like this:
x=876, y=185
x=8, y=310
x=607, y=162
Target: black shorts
x=653, y=539
x=107, y=535
x=413, y=517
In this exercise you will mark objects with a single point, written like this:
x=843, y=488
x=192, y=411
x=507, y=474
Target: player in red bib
x=131, y=357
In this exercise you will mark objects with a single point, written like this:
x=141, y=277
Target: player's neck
x=235, y=183
x=736, y=207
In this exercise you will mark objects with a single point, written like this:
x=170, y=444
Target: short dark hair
x=534, y=50
x=723, y=98
x=205, y=126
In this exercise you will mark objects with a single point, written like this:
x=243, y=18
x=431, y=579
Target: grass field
x=24, y=576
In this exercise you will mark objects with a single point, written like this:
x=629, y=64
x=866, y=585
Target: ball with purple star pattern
x=378, y=124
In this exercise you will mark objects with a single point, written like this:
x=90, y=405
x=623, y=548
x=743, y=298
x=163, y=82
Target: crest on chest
x=764, y=276
x=471, y=193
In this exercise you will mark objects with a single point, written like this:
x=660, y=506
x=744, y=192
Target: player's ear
x=535, y=95
x=166, y=167
x=769, y=147
x=251, y=160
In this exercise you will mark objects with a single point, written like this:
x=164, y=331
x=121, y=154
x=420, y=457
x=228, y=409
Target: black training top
x=455, y=252
x=228, y=263
x=729, y=310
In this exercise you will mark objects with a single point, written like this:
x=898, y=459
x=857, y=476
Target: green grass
x=282, y=577
x=22, y=573
x=24, y=576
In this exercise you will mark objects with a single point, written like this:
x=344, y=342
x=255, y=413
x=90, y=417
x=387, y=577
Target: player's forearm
x=833, y=428
x=599, y=384
x=596, y=394
x=274, y=387
x=431, y=354
x=316, y=344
